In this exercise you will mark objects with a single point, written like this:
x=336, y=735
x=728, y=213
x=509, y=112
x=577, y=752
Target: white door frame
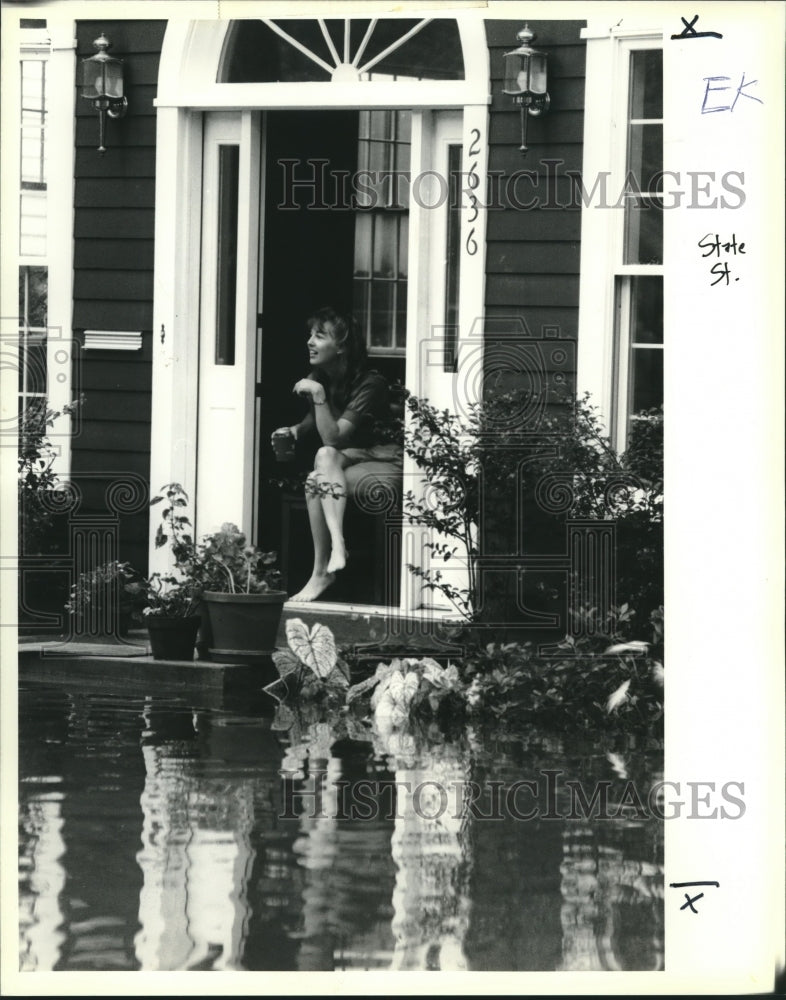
x=189, y=64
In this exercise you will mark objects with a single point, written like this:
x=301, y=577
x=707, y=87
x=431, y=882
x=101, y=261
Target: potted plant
x=240, y=590
x=235, y=582
x=171, y=601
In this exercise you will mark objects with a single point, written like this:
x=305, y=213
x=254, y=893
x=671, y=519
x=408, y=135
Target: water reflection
x=159, y=835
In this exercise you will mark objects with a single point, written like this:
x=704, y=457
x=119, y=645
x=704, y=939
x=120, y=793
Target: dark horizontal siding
x=113, y=254
x=128, y=223
x=114, y=220
x=532, y=289
x=539, y=318
x=120, y=403
x=111, y=285
x=533, y=257
x=534, y=222
x=112, y=314
x=121, y=134
x=106, y=192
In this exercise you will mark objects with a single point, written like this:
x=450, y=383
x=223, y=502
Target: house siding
x=532, y=290
x=114, y=214
x=531, y=258
x=532, y=254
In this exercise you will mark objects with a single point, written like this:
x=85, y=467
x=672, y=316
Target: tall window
x=32, y=248
x=382, y=229
x=638, y=347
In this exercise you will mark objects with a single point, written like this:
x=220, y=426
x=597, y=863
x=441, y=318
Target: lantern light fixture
x=525, y=80
x=101, y=82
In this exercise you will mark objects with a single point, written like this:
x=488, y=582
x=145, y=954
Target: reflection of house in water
x=430, y=847
x=389, y=891
x=248, y=862
x=79, y=886
x=346, y=865
x=200, y=808
x=42, y=880
x=603, y=894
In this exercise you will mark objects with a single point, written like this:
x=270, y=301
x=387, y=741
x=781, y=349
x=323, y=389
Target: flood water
x=158, y=833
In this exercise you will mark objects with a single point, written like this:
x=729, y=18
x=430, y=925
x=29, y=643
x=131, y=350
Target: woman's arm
x=336, y=433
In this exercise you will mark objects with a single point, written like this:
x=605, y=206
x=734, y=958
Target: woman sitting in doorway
x=349, y=408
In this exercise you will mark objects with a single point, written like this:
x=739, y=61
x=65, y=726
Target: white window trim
x=189, y=58
x=61, y=125
x=602, y=229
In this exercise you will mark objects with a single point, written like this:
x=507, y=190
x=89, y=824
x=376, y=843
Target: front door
x=303, y=209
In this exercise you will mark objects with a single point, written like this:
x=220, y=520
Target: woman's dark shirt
x=366, y=404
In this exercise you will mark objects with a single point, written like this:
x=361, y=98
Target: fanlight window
x=320, y=50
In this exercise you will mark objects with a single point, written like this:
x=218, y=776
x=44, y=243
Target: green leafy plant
x=311, y=667
x=404, y=689
x=35, y=475
x=485, y=448
x=221, y=561
x=93, y=587
x=581, y=685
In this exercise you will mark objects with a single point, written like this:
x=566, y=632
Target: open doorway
x=326, y=241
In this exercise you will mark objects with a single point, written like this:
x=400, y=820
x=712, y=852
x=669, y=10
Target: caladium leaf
x=316, y=649
x=383, y=671
x=284, y=718
x=286, y=662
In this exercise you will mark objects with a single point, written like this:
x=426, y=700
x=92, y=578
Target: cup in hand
x=284, y=445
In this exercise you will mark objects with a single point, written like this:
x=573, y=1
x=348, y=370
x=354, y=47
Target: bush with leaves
x=35, y=476
x=486, y=449
x=592, y=685
x=93, y=587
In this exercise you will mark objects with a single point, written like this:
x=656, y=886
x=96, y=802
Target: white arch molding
x=189, y=67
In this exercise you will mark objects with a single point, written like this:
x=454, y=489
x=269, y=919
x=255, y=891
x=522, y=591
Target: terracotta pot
x=243, y=627
x=172, y=638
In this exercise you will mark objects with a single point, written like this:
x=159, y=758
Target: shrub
x=36, y=477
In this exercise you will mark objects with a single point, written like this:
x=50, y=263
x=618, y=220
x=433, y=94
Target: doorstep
x=129, y=666
x=364, y=624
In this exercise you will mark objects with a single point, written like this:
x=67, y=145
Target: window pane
x=645, y=155
x=385, y=249
x=363, y=227
x=382, y=314
x=646, y=84
x=361, y=305
x=228, y=176
x=379, y=125
x=33, y=293
x=646, y=378
x=643, y=231
x=32, y=330
x=403, y=126
x=401, y=314
x=255, y=53
x=646, y=314
x=452, y=259
x=403, y=245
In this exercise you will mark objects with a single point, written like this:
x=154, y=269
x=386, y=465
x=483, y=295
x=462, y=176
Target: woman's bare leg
x=320, y=578
x=329, y=471
x=326, y=505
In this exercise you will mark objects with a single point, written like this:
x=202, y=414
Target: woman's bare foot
x=338, y=558
x=315, y=586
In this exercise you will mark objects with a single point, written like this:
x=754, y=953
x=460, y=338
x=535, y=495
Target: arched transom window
x=341, y=50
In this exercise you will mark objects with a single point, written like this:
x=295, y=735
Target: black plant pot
x=243, y=627
x=173, y=638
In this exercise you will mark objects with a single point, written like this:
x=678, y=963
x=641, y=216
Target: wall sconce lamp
x=525, y=80
x=101, y=81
